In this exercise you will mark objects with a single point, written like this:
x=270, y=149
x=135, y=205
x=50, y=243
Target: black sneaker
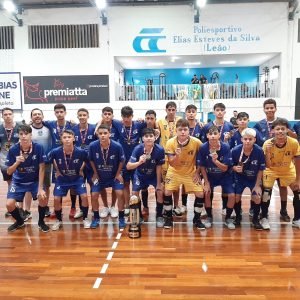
x=199, y=225
x=257, y=226
x=168, y=223
x=237, y=221
x=22, y=213
x=27, y=215
x=44, y=227
x=7, y=214
x=177, y=212
x=284, y=216
x=47, y=212
x=15, y=226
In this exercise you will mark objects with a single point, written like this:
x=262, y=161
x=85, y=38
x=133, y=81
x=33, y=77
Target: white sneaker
x=57, y=225
x=78, y=214
x=229, y=224
x=265, y=224
x=183, y=209
x=104, y=212
x=208, y=223
x=233, y=215
x=126, y=212
x=296, y=223
x=203, y=212
x=114, y=212
x=86, y=224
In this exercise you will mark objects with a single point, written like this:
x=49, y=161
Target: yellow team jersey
x=167, y=130
x=282, y=159
x=187, y=159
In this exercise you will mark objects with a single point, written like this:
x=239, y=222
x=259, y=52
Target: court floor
x=182, y=263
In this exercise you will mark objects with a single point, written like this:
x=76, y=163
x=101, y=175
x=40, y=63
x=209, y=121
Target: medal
x=83, y=136
x=59, y=131
x=241, y=162
x=67, y=164
x=9, y=133
x=148, y=155
x=7, y=146
x=26, y=154
x=128, y=135
x=104, y=154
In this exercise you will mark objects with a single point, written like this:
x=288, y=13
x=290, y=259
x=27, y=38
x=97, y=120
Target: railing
x=198, y=91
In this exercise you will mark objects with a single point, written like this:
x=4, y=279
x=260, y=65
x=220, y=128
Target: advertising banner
x=10, y=90
x=66, y=89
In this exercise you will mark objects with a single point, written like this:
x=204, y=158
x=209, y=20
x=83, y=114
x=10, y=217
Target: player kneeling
x=69, y=162
x=26, y=163
x=248, y=164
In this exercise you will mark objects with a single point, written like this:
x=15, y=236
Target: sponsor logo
x=152, y=35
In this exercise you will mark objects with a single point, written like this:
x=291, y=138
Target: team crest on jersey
x=191, y=152
x=135, y=131
x=254, y=162
x=16, y=135
x=40, y=133
x=76, y=161
x=287, y=153
x=90, y=137
x=112, y=157
x=97, y=155
x=59, y=161
x=34, y=157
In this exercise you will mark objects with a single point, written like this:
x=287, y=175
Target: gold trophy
x=134, y=231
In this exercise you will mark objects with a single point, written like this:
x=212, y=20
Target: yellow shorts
x=174, y=181
x=164, y=169
x=270, y=177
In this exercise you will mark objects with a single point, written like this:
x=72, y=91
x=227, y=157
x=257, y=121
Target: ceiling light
x=227, y=62
x=152, y=64
x=201, y=3
x=9, y=6
x=101, y=4
x=192, y=63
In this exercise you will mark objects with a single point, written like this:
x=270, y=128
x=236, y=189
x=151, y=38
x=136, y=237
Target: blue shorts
x=240, y=185
x=140, y=183
x=225, y=182
x=101, y=185
x=127, y=175
x=17, y=191
x=61, y=188
x=88, y=173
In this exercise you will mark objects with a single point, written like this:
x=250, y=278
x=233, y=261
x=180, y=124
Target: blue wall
x=184, y=76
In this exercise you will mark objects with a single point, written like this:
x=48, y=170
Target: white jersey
x=42, y=136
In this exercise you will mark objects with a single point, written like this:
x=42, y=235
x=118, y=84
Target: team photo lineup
x=175, y=156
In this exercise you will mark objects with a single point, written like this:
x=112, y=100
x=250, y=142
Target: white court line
x=97, y=283
x=118, y=236
x=114, y=246
x=110, y=255
x=104, y=268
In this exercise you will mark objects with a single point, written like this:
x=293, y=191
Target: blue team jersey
x=106, y=162
x=265, y=129
x=196, y=131
x=204, y=160
x=251, y=166
x=56, y=131
x=27, y=171
x=226, y=127
x=84, y=137
x=236, y=139
x=69, y=167
x=148, y=169
x=129, y=137
x=296, y=128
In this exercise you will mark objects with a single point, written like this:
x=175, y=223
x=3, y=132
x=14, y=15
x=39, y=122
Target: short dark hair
x=242, y=114
x=25, y=128
x=83, y=109
x=68, y=131
x=108, y=109
x=182, y=123
x=213, y=129
x=270, y=101
x=34, y=110
x=280, y=122
x=7, y=108
x=171, y=104
x=148, y=131
x=219, y=105
x=150, y=112
x=235, y=111
x=191, y=106
x=126, y=111
x=104, y=126
x=59, y=106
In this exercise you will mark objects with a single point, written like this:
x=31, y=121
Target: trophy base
x=134, y=231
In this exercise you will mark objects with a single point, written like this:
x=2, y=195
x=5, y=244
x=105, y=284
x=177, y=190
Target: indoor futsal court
x=181, y=263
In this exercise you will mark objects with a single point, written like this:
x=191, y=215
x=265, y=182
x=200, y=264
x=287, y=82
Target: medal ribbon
x=67, y=165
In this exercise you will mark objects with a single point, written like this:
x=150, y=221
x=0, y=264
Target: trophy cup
x=134, y=231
